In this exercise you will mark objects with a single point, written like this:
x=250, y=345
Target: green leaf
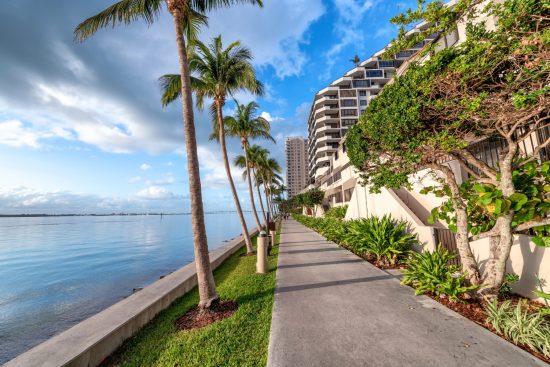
x=541, y=241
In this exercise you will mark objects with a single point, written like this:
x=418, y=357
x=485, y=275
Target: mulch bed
x=473, y=310
x=197, y=318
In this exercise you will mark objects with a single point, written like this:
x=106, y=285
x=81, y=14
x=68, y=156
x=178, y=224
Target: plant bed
x=197, y=318
x=239, y=340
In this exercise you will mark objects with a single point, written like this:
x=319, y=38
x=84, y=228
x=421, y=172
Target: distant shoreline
x=109, y=215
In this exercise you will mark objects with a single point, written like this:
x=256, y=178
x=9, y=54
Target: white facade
x=296, y=164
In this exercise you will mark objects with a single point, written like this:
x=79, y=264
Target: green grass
x=240, y=340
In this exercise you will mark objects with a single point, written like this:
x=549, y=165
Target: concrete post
x=261, y=253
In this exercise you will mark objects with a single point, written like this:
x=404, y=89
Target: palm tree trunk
x=221, y=133
x=267, y=201
x=205, y=278
x=261, y=201
x=250, y=190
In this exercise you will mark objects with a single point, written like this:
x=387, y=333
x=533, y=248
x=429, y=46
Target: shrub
x=520, y=326
x=385, y=238
x=338, y=212
x=431, y=272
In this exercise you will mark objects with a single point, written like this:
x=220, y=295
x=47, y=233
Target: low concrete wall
x=91, y=341
x=526, y=260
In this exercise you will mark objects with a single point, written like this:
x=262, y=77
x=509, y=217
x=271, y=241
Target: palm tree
x=127, y=11
x=220, y=73
x=247, y=125
x=256, y=155
x=268, y=171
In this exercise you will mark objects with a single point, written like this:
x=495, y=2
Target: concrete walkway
x=334, y=309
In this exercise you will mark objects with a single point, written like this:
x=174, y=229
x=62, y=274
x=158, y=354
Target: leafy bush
x=506, y=287
x=385, y=238
x=521, y=326
x=431, y=272
x=338, y=212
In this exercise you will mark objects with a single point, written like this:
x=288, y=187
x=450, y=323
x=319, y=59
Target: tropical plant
x=247, y=125
x=220, y=72
x=385, y=238
x=520, y=326
x=431, y=272
x=338, y=212
x=186, y=15
x=506, y=287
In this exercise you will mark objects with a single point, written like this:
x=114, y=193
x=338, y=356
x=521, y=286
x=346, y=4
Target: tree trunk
x=268, y=204
x=500, y=256
x=250, y=190
x=469, y=263
x=261, y=200
x=205, y=278
x=221, y=135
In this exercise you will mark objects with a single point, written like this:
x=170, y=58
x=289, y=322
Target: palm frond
x=123, y=12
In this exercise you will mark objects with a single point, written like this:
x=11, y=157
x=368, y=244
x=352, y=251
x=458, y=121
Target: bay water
x=58, y=271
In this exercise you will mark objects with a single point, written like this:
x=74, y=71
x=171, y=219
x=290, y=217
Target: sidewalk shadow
x=352, y=261
x=302, y=287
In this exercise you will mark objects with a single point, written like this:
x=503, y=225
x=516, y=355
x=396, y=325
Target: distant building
x=296, y=164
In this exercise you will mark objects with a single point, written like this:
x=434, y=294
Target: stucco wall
x=526, y=260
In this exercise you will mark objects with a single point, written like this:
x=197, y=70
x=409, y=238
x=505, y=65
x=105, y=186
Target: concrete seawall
x=88, y=343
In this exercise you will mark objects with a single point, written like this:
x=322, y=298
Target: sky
x=82, y=129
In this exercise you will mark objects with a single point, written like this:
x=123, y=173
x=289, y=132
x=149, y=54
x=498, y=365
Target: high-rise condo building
x=339, y=105
x=296, y=164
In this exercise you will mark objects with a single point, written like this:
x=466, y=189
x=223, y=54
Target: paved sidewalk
x=333, y=309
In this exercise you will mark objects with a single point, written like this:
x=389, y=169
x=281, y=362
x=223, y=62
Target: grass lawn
x=240, y=340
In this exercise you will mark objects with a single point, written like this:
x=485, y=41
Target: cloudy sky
x=81, y=125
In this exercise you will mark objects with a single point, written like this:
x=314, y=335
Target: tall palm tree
x=127, y=11
x=247, y=125
x=256, y=155
x=220, y=72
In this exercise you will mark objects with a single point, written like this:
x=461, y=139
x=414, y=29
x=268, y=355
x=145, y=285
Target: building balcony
x=326, y=129
x=344, y=81
x=326, y=100
x=328, y=91
x=356, y=72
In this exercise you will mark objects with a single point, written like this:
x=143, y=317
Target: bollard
x=261, y=253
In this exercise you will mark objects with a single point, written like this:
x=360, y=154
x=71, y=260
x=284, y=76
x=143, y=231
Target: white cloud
x=16, y=200
x=166, y=180
x=169, y=164
x=348, y=27
x=268, y=117
x=213, y=170
x=15, y=133
x=155, y=193
x=274, y=32
x=145, y=167
x=135, y=179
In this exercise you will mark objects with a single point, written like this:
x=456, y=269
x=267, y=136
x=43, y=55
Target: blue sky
x=81, y=126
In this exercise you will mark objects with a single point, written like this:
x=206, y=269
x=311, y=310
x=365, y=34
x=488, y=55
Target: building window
x=374, y=73
x=349, y=103
x=349, y=112
x=344, y=147
x=363, y=102
x=361, y=83
x=362, y=93
x=348, y=122
x=386, y=63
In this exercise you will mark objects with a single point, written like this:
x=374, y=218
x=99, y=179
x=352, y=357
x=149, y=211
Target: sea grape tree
x=494, y=85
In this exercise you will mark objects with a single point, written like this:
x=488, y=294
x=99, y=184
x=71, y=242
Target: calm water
x=57, y=271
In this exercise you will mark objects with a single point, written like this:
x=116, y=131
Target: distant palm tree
x=356, y=60
x=256, y=155
x=268, y=172
x=247, y=125
x=219, y=73
x=182, y=11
